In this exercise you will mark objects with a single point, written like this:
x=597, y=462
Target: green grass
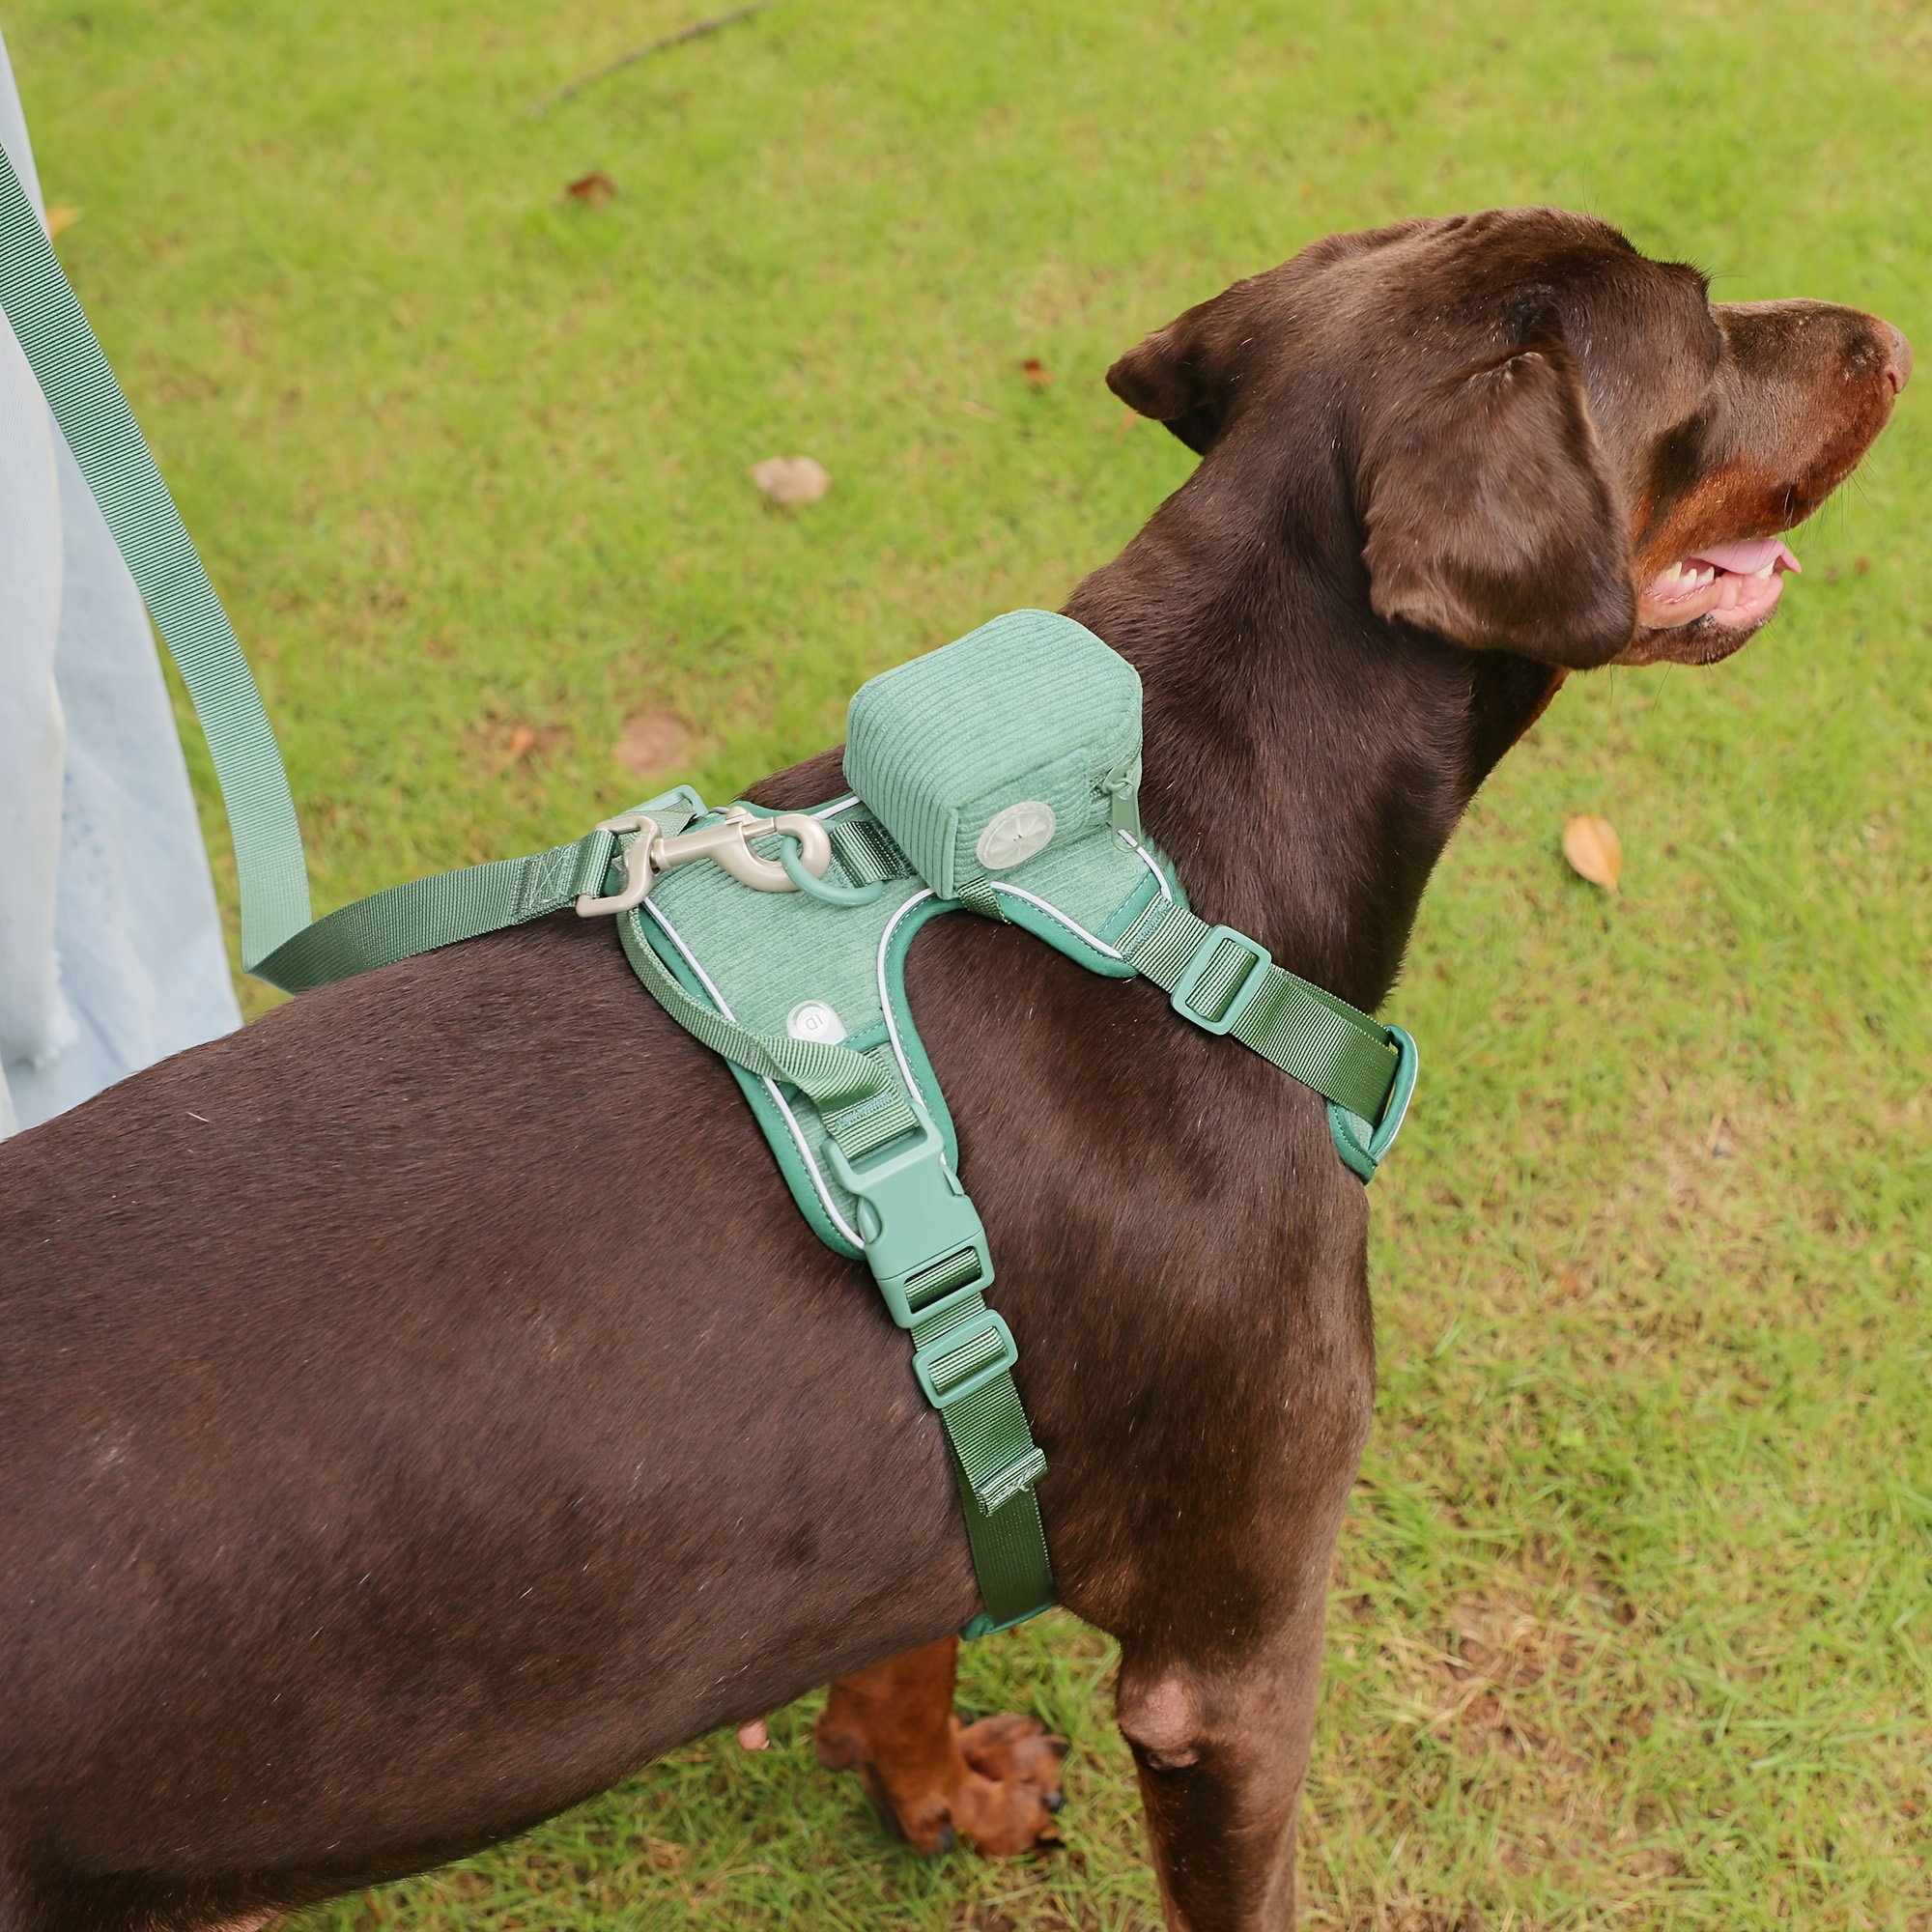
x=1633, y=1622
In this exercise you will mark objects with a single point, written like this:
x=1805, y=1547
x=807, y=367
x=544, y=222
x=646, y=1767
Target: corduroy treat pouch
x=1023, y=734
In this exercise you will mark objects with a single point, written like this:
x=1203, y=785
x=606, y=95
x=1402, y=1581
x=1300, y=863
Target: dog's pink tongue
x=1749, y=558
x=753, y=1736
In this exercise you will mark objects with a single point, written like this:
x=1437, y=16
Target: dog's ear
x=1171, y=378
x=1492, y=515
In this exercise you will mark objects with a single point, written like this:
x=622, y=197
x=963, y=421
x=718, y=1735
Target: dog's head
x=1552, y=445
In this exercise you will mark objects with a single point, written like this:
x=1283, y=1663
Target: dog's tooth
x=1766, y=570
x=1670, y=580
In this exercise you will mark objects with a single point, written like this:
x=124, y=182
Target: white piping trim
x=691, y=960
x=837, y=806
x=823, y=1192
x=1054, y=913
x=1146, y=858
x=886, y=998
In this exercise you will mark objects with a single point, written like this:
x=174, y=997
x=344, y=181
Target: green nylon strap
x=872, y=1123
x=926, y=1247
x=1322, y=1041
x=987, y=1425
x=438, y=911
x=996, y=1462
x=99, y=428
x=1010, y=1561
x=867, y=852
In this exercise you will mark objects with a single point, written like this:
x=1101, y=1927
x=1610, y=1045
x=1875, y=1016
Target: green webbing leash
x=1228, y=987
x=114, y=457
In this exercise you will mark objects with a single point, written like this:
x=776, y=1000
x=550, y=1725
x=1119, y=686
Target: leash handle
x=65, y=358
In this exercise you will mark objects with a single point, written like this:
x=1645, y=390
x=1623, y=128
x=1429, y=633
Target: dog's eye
x=1679, y=459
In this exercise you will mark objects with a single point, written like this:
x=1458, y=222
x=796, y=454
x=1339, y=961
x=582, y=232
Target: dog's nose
x=1898, y=371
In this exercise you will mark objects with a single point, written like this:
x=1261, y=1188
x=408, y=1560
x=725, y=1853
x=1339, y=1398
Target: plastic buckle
x=968, y=1342
x=1244, y=993
x=923, y=1238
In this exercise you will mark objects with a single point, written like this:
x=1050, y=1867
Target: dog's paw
x=1012, y=1792
x=995, y=1782
x=918, y=1816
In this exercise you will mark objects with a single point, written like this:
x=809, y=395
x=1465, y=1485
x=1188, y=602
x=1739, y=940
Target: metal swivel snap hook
x=729, y=842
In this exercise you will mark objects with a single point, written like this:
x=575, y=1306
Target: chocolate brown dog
x=426, y=1406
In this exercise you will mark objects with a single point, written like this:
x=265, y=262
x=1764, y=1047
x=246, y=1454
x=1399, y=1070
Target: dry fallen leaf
x=1594, y=850
x=791, y=479
x=519, y=744
x=593, y=190
x=1035, y=372
x=654, y=742
x=60, y=220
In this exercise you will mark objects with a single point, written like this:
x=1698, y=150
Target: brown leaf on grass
x=1035, y=372
x=791, y=480
x=593, y=190
x=1594, y=850
x=522, y=743
x=654, y=742
x=60, y=220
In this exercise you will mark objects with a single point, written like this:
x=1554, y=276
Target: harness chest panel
x=779, y=963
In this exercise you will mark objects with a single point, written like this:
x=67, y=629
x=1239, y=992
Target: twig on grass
x=696, y=30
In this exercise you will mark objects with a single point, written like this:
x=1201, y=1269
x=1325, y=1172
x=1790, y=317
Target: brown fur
x=426, y=1406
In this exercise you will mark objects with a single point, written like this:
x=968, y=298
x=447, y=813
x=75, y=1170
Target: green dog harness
x=998, y=775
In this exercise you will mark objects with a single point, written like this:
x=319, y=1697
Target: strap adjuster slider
x=1260, y=960
x=965, y=1359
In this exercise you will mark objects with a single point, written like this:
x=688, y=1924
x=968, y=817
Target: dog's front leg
x=929, y=1776
x=1222, y=1754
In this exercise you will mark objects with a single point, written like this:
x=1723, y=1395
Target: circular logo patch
x=1015, y=834
x=815, y=1020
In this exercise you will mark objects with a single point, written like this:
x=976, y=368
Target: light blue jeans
x=111, y=953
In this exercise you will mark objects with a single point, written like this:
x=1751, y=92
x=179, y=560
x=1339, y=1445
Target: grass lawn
x=1632, y=1621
